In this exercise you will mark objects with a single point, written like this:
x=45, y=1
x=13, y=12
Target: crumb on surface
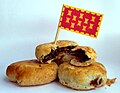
x=110, y=81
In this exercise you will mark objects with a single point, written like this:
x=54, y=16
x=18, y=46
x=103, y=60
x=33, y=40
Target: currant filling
x=54, y=53
x=96, y=82
x=79, y=54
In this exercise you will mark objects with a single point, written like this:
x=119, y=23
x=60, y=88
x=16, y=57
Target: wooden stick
x=57, y=34
x=58, y=29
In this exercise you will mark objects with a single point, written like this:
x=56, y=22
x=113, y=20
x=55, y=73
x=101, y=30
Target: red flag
x=80, y=21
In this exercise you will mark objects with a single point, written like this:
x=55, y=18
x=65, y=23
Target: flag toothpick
x=80, y=21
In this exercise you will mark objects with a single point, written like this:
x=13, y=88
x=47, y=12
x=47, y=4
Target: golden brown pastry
x=82, y=78
x=83, y=56
x=31, y=72
x=48, y=52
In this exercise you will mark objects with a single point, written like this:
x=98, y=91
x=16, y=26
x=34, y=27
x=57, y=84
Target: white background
x=24, y=24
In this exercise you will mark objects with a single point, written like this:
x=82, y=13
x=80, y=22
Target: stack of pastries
x=74, y=65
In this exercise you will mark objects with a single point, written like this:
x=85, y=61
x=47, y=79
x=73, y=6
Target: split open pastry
x=65, y=50
x=48, y=52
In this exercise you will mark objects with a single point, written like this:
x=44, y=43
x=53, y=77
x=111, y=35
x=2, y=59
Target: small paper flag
x=81, y=21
